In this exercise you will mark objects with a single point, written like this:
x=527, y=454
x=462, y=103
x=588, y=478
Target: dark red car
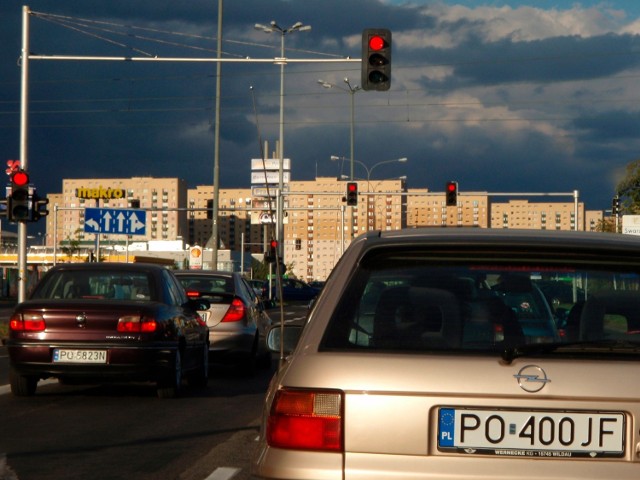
x=108, y=321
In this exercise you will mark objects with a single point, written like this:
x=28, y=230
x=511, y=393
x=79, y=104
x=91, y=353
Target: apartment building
x=318, y=225
x=164, y=200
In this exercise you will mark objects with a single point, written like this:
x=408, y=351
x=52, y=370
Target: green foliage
x=629, y=189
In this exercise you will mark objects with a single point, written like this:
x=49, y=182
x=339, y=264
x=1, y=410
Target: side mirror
x=291, y=336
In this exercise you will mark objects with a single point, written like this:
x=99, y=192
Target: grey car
x=418, y=360
x=237, y=319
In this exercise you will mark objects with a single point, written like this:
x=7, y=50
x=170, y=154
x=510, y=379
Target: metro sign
x=112, y=220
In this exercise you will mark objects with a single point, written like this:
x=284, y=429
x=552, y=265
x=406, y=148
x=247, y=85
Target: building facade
x=318, y=226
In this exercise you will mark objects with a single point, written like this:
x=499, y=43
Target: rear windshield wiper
x=585, y=346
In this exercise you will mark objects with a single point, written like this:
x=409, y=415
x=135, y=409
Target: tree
x=628, y=189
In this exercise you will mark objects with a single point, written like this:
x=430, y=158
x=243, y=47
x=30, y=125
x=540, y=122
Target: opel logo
x=81, y=319
x=532, y=378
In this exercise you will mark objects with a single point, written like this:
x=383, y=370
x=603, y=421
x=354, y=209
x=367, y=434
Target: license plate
x=517, y=433
x=66, y=355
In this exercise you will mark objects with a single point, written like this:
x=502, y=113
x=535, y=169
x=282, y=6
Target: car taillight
x=136, y=323
x=193, y=294
x=306, y=420
x=236, y=311
x=27, y=322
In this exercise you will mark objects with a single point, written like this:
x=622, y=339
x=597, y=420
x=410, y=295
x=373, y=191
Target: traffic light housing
x=271, y=255
x=39, y=207
x=210, y=209
x=19, y=197
x=298, y=244
x=451, y=194
x=376, y=59
x=352, y=194
x=615, y=206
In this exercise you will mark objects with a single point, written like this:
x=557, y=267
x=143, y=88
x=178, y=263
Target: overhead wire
x=83, y=26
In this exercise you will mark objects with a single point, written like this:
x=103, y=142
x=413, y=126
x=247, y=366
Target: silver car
x=418, y=361
x=237, y=319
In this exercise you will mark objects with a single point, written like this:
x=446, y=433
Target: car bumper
x=140, y=362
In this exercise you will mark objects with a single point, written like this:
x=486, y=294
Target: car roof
x=205, y=273
x=110, y=266
x=525, y=239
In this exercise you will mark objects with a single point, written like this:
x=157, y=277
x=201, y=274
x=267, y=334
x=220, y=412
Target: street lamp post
x=351, y=90
x=282, y=61
x=369, y=170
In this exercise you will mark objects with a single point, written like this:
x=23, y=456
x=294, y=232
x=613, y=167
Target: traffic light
x=376, y=59
x=271, y=255
x=451, y=193
x=615, y=206
x=210, y=209
x=352, y=194
x=20, y=197
x=39, y=207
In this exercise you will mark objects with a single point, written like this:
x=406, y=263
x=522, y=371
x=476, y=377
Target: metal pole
x=216, y=160
x=575, y=209
x=24, y=154
x=280, y=210
x=55, y=234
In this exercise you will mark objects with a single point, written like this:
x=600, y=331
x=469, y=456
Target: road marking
x=223, y=473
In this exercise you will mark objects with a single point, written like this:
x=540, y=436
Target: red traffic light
x=20, y=178
x=352, y=187
x=451, y=187
x=274, y=244
x=376, y=42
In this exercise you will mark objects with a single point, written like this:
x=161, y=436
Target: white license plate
x=66, y=355
x=531, y=433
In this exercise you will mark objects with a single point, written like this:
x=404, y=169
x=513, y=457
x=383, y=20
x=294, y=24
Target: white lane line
x=223, y=473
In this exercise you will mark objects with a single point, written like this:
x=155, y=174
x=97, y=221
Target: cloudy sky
x=502, y=96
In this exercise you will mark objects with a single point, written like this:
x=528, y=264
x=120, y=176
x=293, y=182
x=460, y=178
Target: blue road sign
x=113, y=220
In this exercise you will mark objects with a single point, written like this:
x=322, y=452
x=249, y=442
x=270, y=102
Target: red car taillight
x=306, y=420
x=236, y=311
x=27, y=322
x=135, y=323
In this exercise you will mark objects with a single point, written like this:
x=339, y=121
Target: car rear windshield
x=415, y=301
x=98, y=285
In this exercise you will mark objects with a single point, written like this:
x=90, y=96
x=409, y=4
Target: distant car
x=108, y=321
x=293, y=290
x=419, y=360
x=256, y=284
x=236, y=318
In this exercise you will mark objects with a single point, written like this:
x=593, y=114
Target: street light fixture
x=370, y=169
x=275, y=28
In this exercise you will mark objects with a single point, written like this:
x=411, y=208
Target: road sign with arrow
x=112, y=220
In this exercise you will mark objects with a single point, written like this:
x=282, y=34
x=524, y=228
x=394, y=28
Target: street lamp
x=370, y=169
x=273, y=27
x=351, y=90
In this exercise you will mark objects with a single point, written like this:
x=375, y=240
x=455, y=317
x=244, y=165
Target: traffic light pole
x=24, y=152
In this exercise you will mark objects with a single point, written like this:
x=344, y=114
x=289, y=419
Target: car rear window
x=98, y=285
x=416, y=301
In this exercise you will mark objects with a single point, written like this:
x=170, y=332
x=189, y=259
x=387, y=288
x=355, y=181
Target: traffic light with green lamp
x=19, y=197
x=376, y=59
